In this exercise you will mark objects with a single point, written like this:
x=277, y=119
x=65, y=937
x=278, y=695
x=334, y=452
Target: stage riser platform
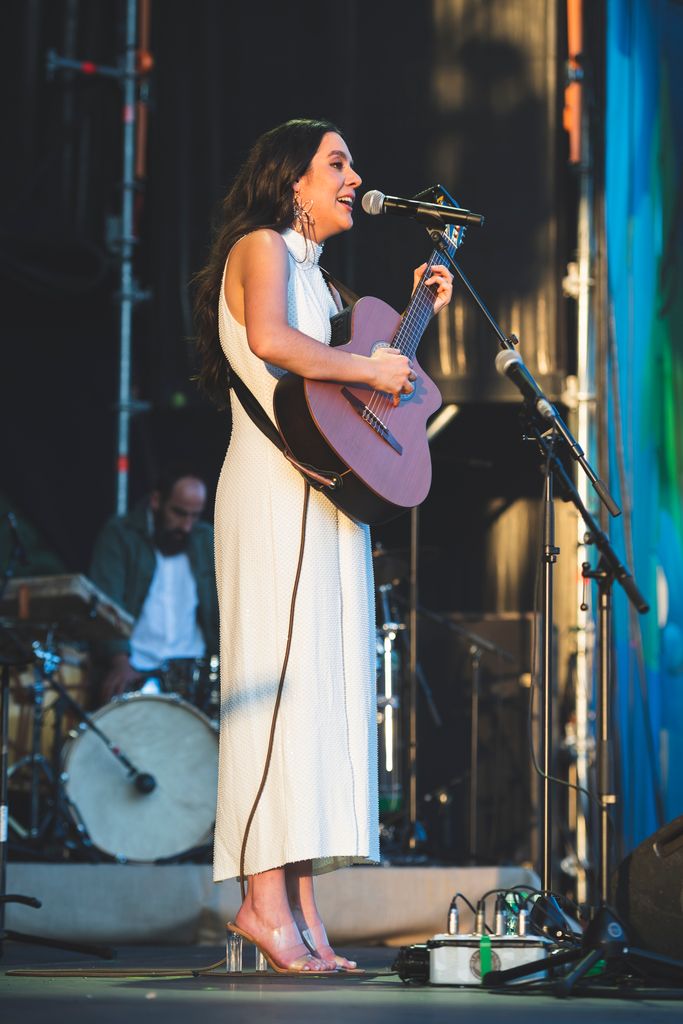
x=180, y=904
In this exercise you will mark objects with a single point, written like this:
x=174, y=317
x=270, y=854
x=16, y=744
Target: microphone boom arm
x=509, y=342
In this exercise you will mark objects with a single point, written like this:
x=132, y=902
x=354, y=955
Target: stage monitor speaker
x=648, y=892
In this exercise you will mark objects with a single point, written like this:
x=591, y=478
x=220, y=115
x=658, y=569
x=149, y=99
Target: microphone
x=145, y=783
x=375, y=202
x=510, y=364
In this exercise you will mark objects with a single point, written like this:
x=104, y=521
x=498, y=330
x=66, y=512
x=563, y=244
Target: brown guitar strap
x=347, y=296
x=320, y=479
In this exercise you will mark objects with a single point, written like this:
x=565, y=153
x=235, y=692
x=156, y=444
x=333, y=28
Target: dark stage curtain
x=451, y=92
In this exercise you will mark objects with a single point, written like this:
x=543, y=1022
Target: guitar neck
x=420, y=308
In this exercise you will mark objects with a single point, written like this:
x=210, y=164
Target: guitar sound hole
x=402, y=398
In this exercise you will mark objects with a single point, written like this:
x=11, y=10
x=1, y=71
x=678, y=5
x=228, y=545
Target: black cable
x=461, y=895
x=280, y=687
x=534, y=668
x=553, y=778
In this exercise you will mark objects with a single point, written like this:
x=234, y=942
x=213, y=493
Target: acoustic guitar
x=376, y=453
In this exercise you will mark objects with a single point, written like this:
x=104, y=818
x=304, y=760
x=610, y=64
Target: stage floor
x=378, y=996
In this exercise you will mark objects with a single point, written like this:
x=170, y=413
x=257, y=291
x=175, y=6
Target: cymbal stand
x=61, y=816
x=38, y=764
x=389, y=703
x=143, y=781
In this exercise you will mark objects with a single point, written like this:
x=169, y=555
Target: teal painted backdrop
x=644, y=224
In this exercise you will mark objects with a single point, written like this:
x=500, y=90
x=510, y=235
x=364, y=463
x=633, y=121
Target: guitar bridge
x=372, y=420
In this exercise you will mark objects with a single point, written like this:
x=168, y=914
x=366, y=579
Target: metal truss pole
x=127, y=294
x=580, y=286
x=131, y=69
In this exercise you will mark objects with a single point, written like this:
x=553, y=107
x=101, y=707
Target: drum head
x=174, y=743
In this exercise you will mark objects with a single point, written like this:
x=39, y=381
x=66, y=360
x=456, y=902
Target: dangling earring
x=301, y=216
x=297, y=214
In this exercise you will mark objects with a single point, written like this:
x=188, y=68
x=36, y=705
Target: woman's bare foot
x=301, y=897
x=266, y=918
x=315, y=937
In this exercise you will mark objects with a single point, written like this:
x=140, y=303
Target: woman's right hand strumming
x=392, y=372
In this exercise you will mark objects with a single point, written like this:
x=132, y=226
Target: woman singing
x=264, y=308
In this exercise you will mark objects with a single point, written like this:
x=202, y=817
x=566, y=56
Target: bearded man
x=157, y=563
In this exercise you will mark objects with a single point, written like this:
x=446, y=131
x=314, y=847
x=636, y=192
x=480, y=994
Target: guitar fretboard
x=421, y=306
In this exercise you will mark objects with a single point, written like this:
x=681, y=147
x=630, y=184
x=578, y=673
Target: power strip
x=457, y=959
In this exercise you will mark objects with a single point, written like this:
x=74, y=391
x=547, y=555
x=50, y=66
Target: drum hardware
x=389, y=683
x=58, y=820
x=14, y=653
x=392, y=751
x=196, y=680
x=167, y=822
x=40, y=770
x=144, y=782
x=77, y=607
x=137, y=778
x=388, y=716
x=86, y=782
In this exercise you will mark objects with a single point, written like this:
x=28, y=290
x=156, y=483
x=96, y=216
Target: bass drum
x=164, y=737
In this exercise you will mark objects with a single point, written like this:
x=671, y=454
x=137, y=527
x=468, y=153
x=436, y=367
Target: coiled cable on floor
x=280, y=687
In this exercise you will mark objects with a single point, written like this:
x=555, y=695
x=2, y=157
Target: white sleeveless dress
x=320, y=800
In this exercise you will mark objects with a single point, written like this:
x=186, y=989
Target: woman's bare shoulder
x=262, y=242
x=258, y=266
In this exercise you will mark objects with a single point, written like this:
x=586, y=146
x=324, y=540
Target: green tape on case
x=485, y=955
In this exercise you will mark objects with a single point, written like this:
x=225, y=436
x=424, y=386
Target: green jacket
x=123, y=565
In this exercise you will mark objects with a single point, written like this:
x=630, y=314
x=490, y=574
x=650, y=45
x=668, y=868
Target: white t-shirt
x=167, y=627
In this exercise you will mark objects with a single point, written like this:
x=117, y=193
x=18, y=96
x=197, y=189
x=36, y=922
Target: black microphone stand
x=435, y=229
x=605, y=937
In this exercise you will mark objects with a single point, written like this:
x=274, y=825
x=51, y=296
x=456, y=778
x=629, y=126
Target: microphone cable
x=280, y=687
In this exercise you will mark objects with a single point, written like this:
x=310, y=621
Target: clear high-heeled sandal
x=283, y=940
x=315, y=937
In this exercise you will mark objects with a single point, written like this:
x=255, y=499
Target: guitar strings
x=379, y=401
x=419, y=312
x=407, y=338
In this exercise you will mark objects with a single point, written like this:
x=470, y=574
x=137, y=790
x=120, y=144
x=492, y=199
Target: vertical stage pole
x=128, y=240
x=412, y=701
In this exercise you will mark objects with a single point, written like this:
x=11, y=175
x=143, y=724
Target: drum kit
x=135, y=780
x=132, y=781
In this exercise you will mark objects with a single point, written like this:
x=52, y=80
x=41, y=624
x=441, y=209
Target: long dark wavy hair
x=261, y=196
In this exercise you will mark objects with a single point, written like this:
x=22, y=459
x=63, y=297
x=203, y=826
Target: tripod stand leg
x=496, y=979
x=564, y=986
x=104, y=952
